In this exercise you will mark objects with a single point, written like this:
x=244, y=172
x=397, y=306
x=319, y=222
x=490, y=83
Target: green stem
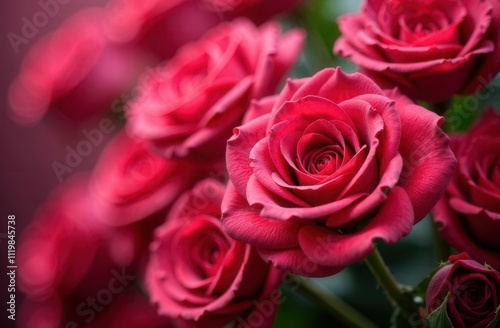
x=334, y=305
x=441, y=249
x=386, y=280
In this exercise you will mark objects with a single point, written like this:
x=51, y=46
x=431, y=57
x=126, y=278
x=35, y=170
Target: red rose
x=469, y=212
x=430, y=49
x=75, y=70
x=127, y=308
x=71, y=268
x=130, y=182
x=473, y=290
x=59, y=234
x=65, y=247
x=156, y=25
x=199, y=274
x=189, y=107
x=336, y=165
x=258, y=11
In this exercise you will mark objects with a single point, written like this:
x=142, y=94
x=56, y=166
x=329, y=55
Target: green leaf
x=496, y=321
x=439, y=318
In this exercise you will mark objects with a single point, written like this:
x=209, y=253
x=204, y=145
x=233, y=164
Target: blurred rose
x=335, y=165
x=158, y=26
x=65, y=246
x=128, y=308
x=258, y=11
x=469, y=212
x=59, y=234
x=199, y=274
x=189, y=107
x=74, y=70
x=131, y=183
x=474, y=292
x=430, y=49
x=66, y=259
x=92, y=61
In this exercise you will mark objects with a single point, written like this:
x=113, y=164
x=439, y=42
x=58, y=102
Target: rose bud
x=473, y=292
x=431, y=50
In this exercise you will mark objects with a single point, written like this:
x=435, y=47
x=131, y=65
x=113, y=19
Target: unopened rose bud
x=473, y=289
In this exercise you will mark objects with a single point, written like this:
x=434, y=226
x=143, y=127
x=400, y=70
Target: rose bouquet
x=254, y=177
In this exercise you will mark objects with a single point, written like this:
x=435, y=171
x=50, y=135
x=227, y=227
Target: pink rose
x=199, y=274
x=337, y=164
x=259, y=11
x=127, y=308
x=131, y=183
x=189, y=107
x=65, y=247
x=75, y=70
x=469, y=212
x=157, y=26
x=473, y=289
x=58, y=235
x=71, y=267
x=430, y=49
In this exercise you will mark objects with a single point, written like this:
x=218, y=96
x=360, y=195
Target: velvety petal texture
x=474, y=292
x=431, y=49
x=335, y=165
x=188, y=107
x=199, y=274
x=469, y=212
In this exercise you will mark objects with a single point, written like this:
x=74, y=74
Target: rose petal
x=238, y=151
x=331, y=248
x=428, y=163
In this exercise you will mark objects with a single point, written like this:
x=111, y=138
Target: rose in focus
x=469, y=212
x=200, y=275
x=336, y=164
x=473, y=292
x=189, y=107
x=430, y=49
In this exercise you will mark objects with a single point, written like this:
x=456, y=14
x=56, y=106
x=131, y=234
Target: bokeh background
x=27, y=154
